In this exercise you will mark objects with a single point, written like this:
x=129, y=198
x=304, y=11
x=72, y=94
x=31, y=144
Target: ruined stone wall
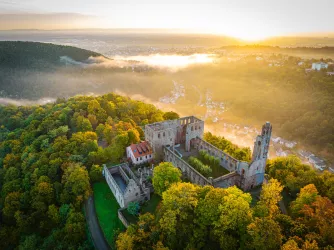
x=122, y=217
x=193, y=131
x=228, y=180
x=226, y=161
x=254, y=176
x=131, y=193
x=159, y=138
x=170, y=133
x=192, y=174
x=117, y=192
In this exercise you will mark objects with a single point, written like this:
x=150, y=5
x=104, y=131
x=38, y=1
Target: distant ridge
x=17, y=54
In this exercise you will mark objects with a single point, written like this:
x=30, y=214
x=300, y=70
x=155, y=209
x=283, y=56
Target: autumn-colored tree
x=307, y=195
x=265, y=233
x=171, y=115
x=164, y=176
x=290, y=245
x=269, y=198
x=95, y=173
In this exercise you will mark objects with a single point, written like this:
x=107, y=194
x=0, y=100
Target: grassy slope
x=106, y=208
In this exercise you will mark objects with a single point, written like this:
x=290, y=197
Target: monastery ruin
x=173, y=141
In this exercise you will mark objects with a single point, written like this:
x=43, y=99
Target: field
x=106, y=208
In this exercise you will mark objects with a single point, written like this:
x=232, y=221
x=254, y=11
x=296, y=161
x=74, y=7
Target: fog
x=25, y=102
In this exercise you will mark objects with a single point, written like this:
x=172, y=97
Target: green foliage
x=294, y=175
x=106, y=209
x=164, y=176
x=49, y=154
x=208, y=159
x=95, y=173
x=171, y=115
x=199, y=166
x=133, y=208
x=242, y=154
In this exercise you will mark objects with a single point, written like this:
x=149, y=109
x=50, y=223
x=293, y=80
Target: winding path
x=99, y=241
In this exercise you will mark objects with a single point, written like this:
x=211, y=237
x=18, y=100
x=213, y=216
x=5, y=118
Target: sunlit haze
x=170, y=61
x=249, y=20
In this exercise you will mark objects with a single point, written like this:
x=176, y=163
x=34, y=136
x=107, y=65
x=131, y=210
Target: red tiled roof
x=141, y=149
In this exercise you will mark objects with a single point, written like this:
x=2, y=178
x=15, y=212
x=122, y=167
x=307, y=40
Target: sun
x=247, y=30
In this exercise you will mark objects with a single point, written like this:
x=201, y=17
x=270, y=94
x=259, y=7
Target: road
x=99, y=241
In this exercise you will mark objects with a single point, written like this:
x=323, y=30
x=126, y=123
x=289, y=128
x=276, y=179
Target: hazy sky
x=241, y=18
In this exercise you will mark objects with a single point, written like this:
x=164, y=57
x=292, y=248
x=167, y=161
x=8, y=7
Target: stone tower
x=254, y=175
x=261, y=144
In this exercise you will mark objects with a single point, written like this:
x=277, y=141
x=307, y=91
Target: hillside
x=50, y=155
x=29, y=69
x=276, y=88
x=38, y=56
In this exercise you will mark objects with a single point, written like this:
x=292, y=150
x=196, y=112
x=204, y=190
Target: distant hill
x=33, y=70
x=33, y=55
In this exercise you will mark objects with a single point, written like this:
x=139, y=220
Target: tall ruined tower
x=261, y=144
x=254, y=175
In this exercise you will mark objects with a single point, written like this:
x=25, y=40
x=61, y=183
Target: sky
x=247, y=19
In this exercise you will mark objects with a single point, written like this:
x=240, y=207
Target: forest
x=194, y=217
x=298, y=104
x=51, y=154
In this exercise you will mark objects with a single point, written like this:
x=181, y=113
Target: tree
x=171, y=115
x=133, y=208
x=164, y=176
x=76, y=184
x=75, y=227
x=29, y=243
x=307, y=195
x=134, y=136
x=319, y=217
x=125, y=241
x=290, y=245
x=235, y=214
x=83, y=124
x=12, y=204
x=265, y=233
x=270, y=196
x=95, y=173
x=11, y=174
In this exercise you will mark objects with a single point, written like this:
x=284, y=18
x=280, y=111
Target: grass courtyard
x=148, y=207
x=106, y=209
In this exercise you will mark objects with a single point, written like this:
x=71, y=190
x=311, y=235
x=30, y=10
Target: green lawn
x=106, y=208
x=151, y=205
x=148, y=207
x=218, y=171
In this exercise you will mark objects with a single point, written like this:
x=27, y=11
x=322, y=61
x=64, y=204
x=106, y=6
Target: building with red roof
x=139, y=153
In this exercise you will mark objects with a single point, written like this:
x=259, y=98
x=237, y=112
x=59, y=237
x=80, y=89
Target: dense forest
x=24, y=66
x=38, y=56
x=298, y=104
x=194, y=217
x=48, y=156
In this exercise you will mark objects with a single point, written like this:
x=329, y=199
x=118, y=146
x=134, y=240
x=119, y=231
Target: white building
x=276, y=139
x=319, y=66
x=331, y=169
x=320, y=166
x=317, y=162
x=139, y=153
x=305, y=154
